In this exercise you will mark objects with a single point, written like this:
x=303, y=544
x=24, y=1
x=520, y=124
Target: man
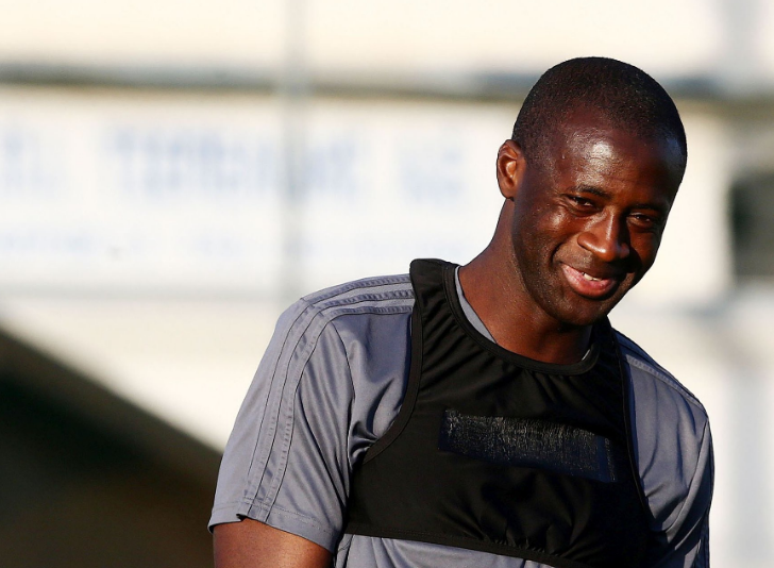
x=489, y=415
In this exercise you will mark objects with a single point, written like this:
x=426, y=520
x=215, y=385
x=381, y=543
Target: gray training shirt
x=331, y=383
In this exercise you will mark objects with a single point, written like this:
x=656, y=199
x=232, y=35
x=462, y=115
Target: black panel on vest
x=526, y=442
x=495, y=452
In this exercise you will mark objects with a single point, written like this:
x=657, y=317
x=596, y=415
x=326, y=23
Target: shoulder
x=300, y=326
x=349, y=345
x=330, y=381
x=378, y=294
x=672, y=443
x=370, y=322
x=653, y=386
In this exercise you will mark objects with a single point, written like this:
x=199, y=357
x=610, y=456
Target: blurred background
x=174, y=173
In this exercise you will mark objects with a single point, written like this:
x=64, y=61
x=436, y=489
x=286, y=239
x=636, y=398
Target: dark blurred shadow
x=89, y=480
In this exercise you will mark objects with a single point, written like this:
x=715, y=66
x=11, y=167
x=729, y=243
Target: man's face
x=588, y=223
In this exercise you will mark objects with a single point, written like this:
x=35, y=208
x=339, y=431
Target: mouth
x=589, y=285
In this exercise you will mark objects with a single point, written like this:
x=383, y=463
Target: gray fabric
x=467, y=309
x=331, y=383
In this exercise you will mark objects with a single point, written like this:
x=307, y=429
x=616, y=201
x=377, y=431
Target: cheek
x=561, y=229
x=544, y=217
x=644, y=249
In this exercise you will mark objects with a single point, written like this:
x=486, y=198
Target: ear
x=510, y=168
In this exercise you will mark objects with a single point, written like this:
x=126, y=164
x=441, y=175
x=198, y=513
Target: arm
x=284, y=475
x=252, y=544
x=289, y=459
x=674, y=455
x=685, y=543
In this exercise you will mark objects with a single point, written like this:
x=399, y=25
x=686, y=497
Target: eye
x=645, y=221
x=581, y=204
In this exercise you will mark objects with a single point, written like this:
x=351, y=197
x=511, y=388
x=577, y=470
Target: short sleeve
x=286, y=461
x=673, y=450
x=330, y=384
x=685, y=543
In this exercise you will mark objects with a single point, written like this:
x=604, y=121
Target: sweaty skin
x=574, y=236
x=252, y=544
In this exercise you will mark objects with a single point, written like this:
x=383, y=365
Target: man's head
x=590, y=175
x=626, y=96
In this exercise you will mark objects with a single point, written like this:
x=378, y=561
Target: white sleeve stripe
x=303, y=334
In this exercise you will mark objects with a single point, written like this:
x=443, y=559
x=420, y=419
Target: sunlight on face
x=601, y=150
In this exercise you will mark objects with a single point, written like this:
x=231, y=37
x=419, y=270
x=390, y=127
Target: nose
x=607, y=239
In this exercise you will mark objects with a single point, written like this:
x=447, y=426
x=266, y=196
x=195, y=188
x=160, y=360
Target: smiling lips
x=587, y=285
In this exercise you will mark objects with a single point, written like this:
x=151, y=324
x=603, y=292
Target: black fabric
x=495, y=452
x=522, y=442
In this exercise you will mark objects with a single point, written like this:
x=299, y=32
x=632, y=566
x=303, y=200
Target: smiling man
x=488, y=415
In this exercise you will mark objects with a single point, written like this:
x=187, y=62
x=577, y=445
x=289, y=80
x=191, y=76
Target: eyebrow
x=590, y=189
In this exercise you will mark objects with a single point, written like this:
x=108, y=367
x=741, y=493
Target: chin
x=579, y=315
x=581, y=320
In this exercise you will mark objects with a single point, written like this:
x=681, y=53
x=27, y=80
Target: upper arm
x=674, y=457
x=330, y=383
x=685, y=542
x=252, y=544
x=286, y=463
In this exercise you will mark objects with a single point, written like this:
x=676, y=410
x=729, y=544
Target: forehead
x=590, y=146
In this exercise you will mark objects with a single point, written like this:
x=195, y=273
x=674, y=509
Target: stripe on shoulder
x=374, y=289
x=378, y=295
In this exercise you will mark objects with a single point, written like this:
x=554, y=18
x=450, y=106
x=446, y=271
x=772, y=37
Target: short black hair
x=625, y=95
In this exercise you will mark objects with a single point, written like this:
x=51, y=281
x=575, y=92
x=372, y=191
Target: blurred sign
x=127, y=194
x=102, y=192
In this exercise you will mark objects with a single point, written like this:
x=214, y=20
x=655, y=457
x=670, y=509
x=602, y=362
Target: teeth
x=591, y=278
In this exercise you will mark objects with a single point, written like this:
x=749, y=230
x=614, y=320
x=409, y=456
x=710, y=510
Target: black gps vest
x=495, y=452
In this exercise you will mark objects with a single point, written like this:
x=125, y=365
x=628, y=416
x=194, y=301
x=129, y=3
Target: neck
x=492, y=285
